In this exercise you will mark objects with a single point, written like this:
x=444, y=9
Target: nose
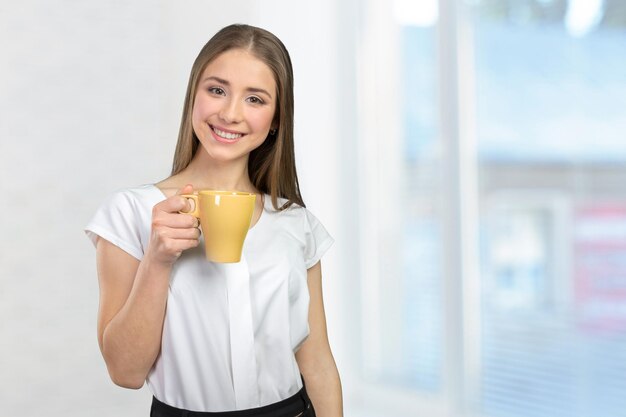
x=230, y=112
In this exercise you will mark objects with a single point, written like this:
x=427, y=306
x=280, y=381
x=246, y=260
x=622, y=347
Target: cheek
x=199, y=117
x=197, y=111
x=203, y=106
x=262, y=120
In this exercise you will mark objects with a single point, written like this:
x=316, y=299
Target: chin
x=223, y=155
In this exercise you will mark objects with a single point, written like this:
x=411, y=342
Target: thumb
x=189, y=203
x=187, y=189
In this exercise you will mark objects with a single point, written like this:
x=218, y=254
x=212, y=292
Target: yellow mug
x=225, y=218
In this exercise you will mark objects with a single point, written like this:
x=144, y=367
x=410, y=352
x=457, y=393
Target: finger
x=177, y=203
x=176, y=234
x=174, y=204
x=177, y=246
x=189, y=203
x=170, y=205
x=189, y=243
x=175, y=220
x=186, y=234
x=184, y=221
x=187, y=189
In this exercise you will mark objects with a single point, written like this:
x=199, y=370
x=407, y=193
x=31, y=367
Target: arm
x=315, y=358
x=133, y=294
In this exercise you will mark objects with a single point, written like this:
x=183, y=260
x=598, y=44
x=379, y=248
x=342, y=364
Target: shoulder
x=131, y=202
x=295, y=217
x=124, y=218
x=290, y=207
x=139, y=192
x=134, y=197
x=295, y=211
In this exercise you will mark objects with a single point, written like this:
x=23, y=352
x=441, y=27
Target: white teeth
x=227, y=135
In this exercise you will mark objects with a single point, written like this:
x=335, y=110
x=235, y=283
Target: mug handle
x=196, y=206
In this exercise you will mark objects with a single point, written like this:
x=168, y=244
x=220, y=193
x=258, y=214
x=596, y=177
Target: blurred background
x=469, y=157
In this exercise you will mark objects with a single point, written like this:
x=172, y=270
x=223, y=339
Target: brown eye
x=255, y=100
x=216, y=90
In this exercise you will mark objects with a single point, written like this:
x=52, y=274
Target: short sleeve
x=118, y=221
x=317, y=239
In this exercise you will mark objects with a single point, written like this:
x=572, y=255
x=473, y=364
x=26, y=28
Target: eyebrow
x=226, y=83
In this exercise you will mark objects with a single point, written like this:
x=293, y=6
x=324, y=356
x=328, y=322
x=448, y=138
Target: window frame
x=376, y=112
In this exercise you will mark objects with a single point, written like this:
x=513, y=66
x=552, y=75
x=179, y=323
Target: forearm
x=324, y=388
x=132, y=339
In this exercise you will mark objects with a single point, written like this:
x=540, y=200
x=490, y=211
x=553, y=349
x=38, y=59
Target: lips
x=224, y=135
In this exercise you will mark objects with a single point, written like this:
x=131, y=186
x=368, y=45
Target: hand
x=172, y=231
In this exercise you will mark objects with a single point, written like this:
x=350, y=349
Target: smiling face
x=234, y=106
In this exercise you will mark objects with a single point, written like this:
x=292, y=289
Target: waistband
x=289, y=407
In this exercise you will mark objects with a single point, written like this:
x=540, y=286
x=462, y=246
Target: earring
x=272, y=132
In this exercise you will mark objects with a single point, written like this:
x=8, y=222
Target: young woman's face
x=234, y=105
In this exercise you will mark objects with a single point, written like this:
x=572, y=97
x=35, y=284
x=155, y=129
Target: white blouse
x=231, y=330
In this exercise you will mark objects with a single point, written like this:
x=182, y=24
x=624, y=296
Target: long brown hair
x=271, y=166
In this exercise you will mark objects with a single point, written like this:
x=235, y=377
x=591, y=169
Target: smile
x=226, y=135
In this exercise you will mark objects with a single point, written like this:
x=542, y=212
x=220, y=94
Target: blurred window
x=406, y=290
x=550, y=99
x=548, y=92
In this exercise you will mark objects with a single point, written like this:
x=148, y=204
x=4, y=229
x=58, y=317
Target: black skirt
x=299, y=405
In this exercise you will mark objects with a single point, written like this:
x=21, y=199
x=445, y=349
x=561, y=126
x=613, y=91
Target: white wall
x=90, y=100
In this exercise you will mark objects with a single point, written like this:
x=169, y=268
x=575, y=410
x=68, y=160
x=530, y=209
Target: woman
x=224, y=339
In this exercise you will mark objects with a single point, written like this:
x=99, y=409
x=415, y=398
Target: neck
x=206, y=173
